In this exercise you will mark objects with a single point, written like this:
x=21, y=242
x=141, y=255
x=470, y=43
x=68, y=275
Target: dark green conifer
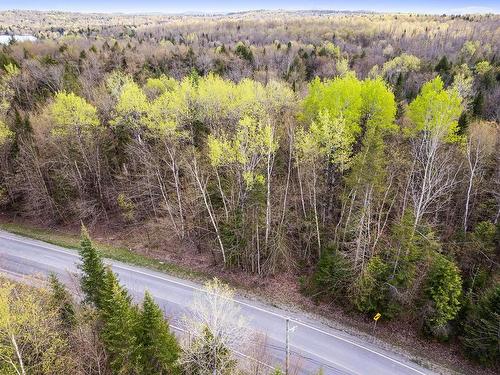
x=62, y=302
x=482, y=329
x=92, y=267
x=119, y=329
x=158, y=346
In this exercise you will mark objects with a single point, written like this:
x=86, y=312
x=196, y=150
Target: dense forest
x=358, y=152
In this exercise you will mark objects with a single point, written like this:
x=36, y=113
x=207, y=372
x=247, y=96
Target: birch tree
x=75, y=134
x=369, y=200
x=215, y=327
x=433, y=114
x=332, y=111
x=481, y=141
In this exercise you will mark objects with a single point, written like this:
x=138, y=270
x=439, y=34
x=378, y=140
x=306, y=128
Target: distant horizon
x=131, y=7
x=209, y=13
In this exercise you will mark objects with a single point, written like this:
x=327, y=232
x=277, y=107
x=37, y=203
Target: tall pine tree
x=119, y=329
x=158, y=346
x=92, y=266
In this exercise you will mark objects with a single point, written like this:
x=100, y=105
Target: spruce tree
x=209, y=355
x=444, y=289
x=62, y=302
x=481, y=337
x=119, y=329
x=92, y=266
x=158, y=346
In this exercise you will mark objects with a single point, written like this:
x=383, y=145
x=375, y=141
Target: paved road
x=312, y=344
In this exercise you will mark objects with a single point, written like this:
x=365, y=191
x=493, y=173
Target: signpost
x=376, y=318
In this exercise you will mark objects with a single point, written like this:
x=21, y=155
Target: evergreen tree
x=333, y=274
x=62, y=302
x=482, y=329
x=158, y=346
x=444, y=288
x=92, y=266
x=443, y=65
x=371, y=292
x=119, y=327
x=208, y=355
x=478, y=105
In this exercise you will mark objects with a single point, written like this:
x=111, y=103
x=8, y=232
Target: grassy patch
x=121, y=254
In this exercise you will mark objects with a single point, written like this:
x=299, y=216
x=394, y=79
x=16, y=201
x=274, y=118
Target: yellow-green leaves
x=336, y=109
x=329, y=49
x=131, y=107
x=5, y=132
x=341, y=97
x=436, y=112
x=378, y=105
x=221, y=151
x=159, y=117
x=157, y=86
x=245, y=148
x=462, y=83
x=402, y=64
x=131, y=100
x=483, y=67
x=6, y=91
x=71, y=112
x=328, y=137
x=11, y=70
x=115, y=82
x=252, y=179
x=30, y=335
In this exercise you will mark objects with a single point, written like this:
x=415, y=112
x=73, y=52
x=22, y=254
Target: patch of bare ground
x=154, y=240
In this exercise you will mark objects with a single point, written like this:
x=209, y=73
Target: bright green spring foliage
x=131, y=106
x=115, y=82
x=6, y=90
x=482, y=329
x=338, y=110
x=120, y=324
x=158, y=86
x=31, y=341
x=6, y=93
x=72, y=113
x=93, y=271
x=210, y=356
x=379, y=112
x=340, y=98
x=435, y=111
x=378, y=106
x=158, y=346
x=161, y=117
x=252, y=140
x=444, y=288
x=327, y=137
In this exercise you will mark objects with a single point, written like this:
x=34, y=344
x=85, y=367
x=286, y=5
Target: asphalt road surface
x=313, y=345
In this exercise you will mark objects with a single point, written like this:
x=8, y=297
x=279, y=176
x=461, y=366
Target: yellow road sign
x=377, y=316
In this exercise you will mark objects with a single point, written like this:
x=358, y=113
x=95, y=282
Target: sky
x=180, y=6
